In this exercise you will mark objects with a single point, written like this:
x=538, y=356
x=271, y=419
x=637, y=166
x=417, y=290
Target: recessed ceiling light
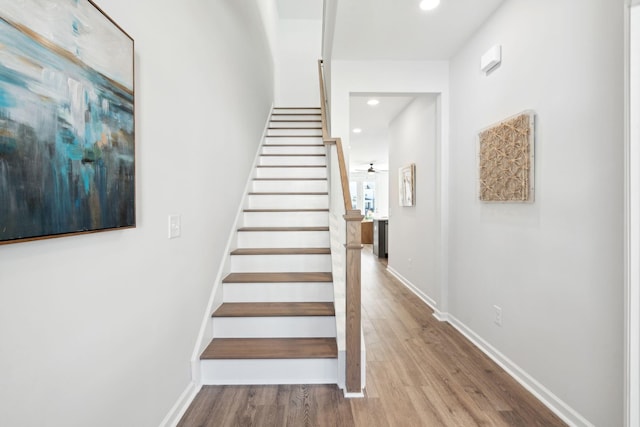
x=373, y=102
x=357, y=130
x=429, y=4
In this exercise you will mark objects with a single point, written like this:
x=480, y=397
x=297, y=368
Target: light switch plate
x=175, y=226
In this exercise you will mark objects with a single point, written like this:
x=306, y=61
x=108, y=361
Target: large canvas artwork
x=67, y=161
x=506, y=160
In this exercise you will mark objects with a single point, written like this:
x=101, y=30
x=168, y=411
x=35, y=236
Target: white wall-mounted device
x=491, y=58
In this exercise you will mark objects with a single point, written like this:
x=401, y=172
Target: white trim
x=553, y=402
x=175, y=414
x=353, y=395
x=206, y=327
x=424, y=297
x=632, y=219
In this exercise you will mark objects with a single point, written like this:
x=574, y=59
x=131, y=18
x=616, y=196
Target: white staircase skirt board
x=285, y=239
x=290, y=186
x=296, y=123
x=278, y=292
x=293, y=149
x=313, y=172
x=289, y=201
x=286, y=219
x=295, y=111
x=269, y=371
x=294, y=132
x=279, y=263
x=293, y=140
x=293, y=160
x=274, y=327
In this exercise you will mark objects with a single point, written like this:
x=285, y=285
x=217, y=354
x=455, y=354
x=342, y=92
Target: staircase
x=276, y=324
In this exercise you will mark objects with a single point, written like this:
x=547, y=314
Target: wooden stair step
x=274, y=309
x=319, y=277
x=293, y=145
x=285, y=210
x=293, y=155
x=295, y=128
x=289, y=179
x=296, y=114
x=282, y=251
x=296, y=120
x=271, y=348
x=283, y=229
x=296, y=108
x=294, y=136
x=291, y=166
x=274, y=193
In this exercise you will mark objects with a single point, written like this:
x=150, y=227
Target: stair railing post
x=353, y=246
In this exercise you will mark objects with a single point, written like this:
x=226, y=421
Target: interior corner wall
x=414, y=230
x=554, y=266
x=299, y=49
x=98, y=330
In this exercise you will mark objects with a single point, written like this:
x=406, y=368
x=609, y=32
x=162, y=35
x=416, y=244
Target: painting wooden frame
x=67, y=120
x=407, y=185
x=506, y=160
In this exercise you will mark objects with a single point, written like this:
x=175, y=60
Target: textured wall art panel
x=506, y=160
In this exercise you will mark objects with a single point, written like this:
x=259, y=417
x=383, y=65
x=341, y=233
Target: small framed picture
x=406, y=185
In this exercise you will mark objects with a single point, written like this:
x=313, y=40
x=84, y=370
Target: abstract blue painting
x=67, y=153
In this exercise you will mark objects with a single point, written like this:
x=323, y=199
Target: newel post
x=353, y=376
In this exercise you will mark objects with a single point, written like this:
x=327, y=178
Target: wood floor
x=420, y=372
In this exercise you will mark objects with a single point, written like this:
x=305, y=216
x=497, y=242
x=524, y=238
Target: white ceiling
x=371, y=146
x=400, y=30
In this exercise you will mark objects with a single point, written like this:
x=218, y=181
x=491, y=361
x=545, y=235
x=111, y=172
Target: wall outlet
x=497, y=315
x=175, y=226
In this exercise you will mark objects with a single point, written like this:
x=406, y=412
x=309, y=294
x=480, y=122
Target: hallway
x=420, y=372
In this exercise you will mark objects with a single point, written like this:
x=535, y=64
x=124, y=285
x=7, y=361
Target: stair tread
x=282, y=193
x=271, y=348
x=293, y=145
x=281, y=251
x=283, y=229
x=295, y=121
x=289, y=179
x=297, y=127
x=286, y=210
x=293, y=155
x=274, y=309
x=291, y=166
x=296, y=108
x=294, y=136
x=318, y=277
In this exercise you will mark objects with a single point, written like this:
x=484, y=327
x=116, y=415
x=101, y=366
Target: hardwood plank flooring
x=420, y=372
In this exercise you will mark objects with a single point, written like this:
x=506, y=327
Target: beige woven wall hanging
x=506, y=160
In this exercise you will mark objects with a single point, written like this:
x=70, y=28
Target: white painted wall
x=98, y=330
x=554, y=266
x=299, y=49
x=401, y=77
x=414, y=230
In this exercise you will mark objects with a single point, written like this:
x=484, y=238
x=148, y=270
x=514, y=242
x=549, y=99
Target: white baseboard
x=553, y=402
x=424, y=297
x=550, y=400
x=175, y=414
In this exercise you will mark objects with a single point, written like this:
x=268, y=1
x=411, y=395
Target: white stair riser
x=278, y=292
x=294, y=132
x=295, y=123
x=269, y=371
x=313, y=110
x=274, y=327
x=320, y=172
x=293, y=160
x=295, y=149
x=256, y=201
x=286, y=219
x=288, y=239
x=298, y=116
x=280, y=263
x=290, y=186
x=293, y=140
